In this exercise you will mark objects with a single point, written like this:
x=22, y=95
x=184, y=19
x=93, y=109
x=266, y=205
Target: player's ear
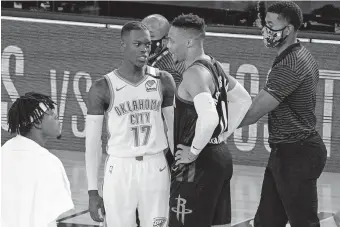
x=190, y=42
x=289, y=29
x=122, y=45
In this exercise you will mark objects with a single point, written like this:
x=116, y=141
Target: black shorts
x=200, y=191
x=289, y=190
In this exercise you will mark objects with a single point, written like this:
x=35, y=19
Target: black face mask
x=156, y=46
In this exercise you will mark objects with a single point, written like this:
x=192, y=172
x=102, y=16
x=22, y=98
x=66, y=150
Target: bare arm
x=94, y=123
x=262, y=104
x=282, y=81
x=169, y=89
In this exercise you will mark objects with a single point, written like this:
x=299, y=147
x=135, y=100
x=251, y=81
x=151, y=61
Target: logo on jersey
x=180, y=209
x=151, y=85
x=159, y=222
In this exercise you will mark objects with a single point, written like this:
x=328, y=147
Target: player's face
x=50, y=124
x=137, y=46
x=177, y=44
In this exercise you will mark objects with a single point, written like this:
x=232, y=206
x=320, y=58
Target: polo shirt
x=293, y=81
x=35, y=187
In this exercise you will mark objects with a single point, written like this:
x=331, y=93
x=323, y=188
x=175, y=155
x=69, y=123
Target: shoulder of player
x=166, y=79
x=51, y=162
x=282, y=71
x=100, y=87
x=197, y=73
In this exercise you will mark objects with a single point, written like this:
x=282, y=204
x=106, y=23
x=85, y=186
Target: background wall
x=64, y=60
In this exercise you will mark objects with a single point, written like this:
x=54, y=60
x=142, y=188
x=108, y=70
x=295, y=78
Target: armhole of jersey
x=210, y=72
x=112, y=97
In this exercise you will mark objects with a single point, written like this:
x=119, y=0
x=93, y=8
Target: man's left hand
x=184, y=155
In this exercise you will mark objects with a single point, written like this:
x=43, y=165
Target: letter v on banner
x=60, y=106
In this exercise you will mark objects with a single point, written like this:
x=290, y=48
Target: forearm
x=168, y=113
x=251, y=117
x=93, y=151
x=206, y=122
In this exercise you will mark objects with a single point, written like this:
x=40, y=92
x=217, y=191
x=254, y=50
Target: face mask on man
x=156, y=46
x=272, y=38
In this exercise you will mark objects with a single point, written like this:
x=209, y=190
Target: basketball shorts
x=131, y=184
x=200, y=191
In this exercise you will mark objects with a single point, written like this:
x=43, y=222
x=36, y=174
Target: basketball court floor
x=245, y=192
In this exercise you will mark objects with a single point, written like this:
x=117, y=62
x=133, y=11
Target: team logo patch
x=151, y=85
x=181, y=209
x=159, y=222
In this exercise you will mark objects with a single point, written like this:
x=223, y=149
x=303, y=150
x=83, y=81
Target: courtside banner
x=63, y=61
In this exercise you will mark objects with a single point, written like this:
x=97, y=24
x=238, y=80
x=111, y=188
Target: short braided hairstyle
x=26, y=112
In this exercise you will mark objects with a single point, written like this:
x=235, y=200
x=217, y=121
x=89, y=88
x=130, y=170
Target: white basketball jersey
x=134, y=117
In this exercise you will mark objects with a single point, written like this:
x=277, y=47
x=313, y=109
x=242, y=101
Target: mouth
x=143, y=58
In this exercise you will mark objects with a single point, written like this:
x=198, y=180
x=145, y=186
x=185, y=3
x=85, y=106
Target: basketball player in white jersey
x=133, y=99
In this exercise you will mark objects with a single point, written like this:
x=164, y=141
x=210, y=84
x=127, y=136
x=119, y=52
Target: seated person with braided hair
x=35, y=188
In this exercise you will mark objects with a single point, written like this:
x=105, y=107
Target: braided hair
x=27, y=111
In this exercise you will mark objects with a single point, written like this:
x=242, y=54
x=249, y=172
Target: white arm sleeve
x=93, y=149
x=206, y=122
x=168, y=113
x=239, y=104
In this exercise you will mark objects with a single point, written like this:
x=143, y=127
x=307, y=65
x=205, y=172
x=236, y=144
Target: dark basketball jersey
x=186, y=115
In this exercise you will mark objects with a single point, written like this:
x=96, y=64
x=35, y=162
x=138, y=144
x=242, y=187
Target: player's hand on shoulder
x=96, y=203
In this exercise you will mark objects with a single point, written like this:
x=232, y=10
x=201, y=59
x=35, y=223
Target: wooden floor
x=245, y=189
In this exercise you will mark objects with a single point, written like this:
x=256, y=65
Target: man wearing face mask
x=160, y=57
x=298, y=154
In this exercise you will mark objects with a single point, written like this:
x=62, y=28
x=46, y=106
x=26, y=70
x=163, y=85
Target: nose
x=144, y=49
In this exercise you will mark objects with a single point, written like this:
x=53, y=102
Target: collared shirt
x=293, y=82
x=165, y=62
x=35, y=188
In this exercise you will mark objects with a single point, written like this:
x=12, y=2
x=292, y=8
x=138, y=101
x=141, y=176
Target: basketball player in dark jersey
x=209, y=107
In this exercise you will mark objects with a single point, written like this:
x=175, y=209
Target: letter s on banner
x=80, y=100
x=6, y=78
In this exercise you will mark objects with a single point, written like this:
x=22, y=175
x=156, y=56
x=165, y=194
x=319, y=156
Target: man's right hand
x=96, y=203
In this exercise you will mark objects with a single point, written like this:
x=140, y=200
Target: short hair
x=289, y=11
x=132, y=26
x=26, y=111
x=190, y=22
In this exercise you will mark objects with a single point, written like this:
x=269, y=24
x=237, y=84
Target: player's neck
x=37, y=137
x=285, y=45
x=130, y=71
x=193, y=55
